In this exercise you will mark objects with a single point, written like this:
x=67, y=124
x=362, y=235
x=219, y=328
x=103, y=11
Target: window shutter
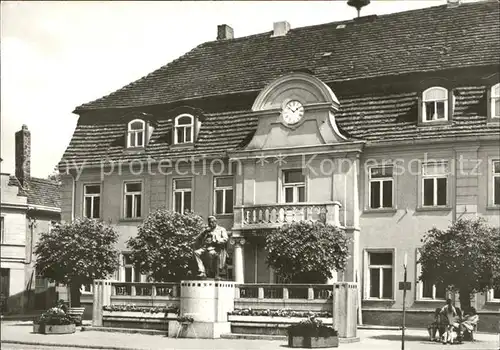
x=419, y=108
x=451, y=104
x=489, y=112
x=365, y=275
x=418, y=271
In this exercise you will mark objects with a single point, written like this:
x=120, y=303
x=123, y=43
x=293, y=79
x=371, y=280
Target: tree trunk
x=75, y=294
x=465, y=297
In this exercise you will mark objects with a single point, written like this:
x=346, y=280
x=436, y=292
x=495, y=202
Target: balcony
x=268, y=216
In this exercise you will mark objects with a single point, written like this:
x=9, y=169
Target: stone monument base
x=207, y=303
x=210, y=330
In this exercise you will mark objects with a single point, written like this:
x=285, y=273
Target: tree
x=306, y=252
x=465, y=257
x=163, y=247
x=77, y=253
x=55, y=175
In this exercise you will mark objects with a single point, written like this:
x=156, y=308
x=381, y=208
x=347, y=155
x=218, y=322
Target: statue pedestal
x=208, y=303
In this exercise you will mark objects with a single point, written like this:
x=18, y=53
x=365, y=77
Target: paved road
x=370, y=340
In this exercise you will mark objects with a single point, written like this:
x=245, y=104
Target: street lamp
x=405, y=264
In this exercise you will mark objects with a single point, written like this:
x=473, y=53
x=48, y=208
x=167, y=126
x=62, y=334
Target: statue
x=210, y=250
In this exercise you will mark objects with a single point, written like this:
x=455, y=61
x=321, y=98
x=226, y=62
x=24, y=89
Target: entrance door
x=4, y=288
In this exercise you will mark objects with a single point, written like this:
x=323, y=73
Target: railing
x=275, y=215
x=284, y=291
x=155, y=289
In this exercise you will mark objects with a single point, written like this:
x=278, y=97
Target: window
x=380, y=275
x=495, y=101
x=133, y=200
x=182, y=195
x=496, y=293
x=435, y=188
x=435, y=104
x=427, y=290
x=223, y=195
x=132, y=274
x=2, y=232
x=86, y=289
x=92, y=201
x=496, y=182
x=136, y=133
x=184, y=129
x=432, y=291
x=294, y=186
x=381, y=187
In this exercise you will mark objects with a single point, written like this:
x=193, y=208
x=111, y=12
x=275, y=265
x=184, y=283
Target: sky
x=58, y=55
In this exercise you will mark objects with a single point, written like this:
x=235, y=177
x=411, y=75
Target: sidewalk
x=20, y=333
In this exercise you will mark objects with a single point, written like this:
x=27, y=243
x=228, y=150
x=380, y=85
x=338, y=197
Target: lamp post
x=405, y=264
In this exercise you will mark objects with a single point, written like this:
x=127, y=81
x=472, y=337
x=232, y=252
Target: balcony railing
x=275, y=215
x=284, y=291
x=138, y=289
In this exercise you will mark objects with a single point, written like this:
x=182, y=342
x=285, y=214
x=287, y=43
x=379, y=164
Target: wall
x=403, y=227
x=157, y=193
x=12, y=249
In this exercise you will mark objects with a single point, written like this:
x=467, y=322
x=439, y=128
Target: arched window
x=495, y=101
x=435, y=104
x=184, y=129
x=136, y=133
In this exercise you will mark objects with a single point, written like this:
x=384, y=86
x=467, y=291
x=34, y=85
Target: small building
x=384, y=125
x=29, y=206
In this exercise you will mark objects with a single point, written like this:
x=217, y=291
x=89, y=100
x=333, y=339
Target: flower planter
x=135, y=314
x=54, y=329
x=313, y=342
x=272, y=319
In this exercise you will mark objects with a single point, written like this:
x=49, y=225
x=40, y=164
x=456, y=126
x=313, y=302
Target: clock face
x=292, y=112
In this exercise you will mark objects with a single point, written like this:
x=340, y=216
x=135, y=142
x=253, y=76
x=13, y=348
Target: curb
x=76, y=346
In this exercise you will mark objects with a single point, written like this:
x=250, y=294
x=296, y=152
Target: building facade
x=386, y=126
x=29, y=206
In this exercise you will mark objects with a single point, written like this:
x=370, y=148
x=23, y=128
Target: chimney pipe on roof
x=453, y=3
x=280, y=28
x=224, y=32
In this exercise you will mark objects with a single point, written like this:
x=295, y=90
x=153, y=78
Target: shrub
x=307, y=252
x=163, y=247
x=465, y=258
x=77, y=253
x=54, y=317
x=311, y=327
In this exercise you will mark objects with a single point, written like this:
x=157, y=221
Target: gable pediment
x=317, y=125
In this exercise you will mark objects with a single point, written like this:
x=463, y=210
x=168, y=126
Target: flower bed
x=280, y=313
x=142, y=317
x=171, y=309
x=272, y=322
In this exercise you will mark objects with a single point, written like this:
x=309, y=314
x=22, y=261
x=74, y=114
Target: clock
x=292, y=112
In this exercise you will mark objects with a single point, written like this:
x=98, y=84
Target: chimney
x=224, y=32
x=453, y=3
x=281, y=28
x=23, y=155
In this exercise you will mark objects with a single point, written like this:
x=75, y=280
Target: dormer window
x=184, y=129
x=136, y=133
x=495, y=101
x=435, y=104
